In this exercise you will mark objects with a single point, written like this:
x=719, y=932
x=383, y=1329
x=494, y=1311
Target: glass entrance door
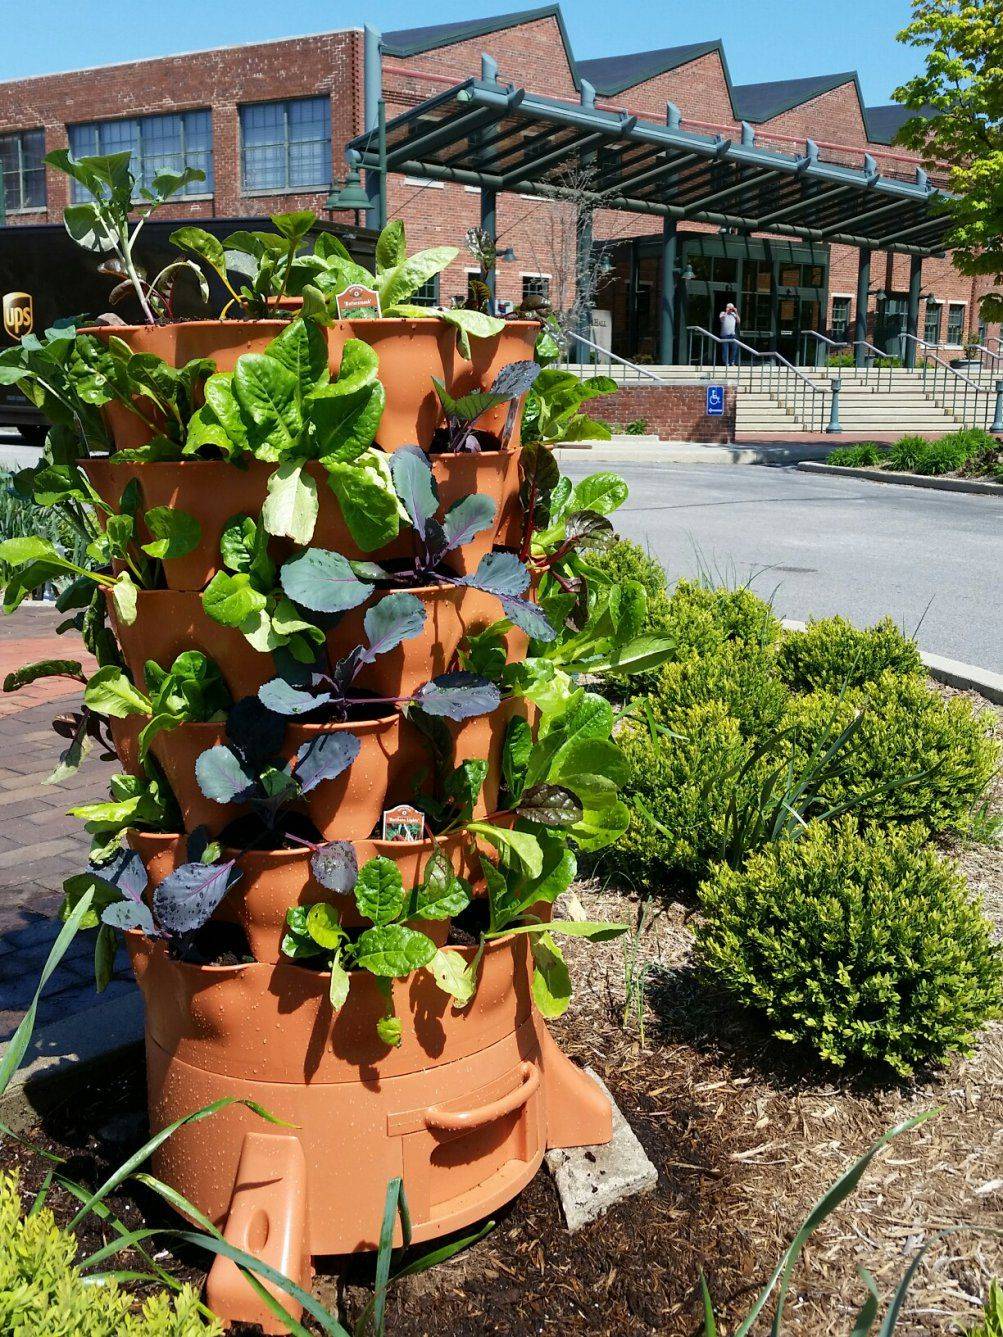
x=890, y=324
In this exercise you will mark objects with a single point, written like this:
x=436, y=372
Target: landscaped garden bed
x=969, y=453
x=409, y=741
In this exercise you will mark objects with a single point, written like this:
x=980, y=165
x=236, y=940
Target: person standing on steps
x=730, y=322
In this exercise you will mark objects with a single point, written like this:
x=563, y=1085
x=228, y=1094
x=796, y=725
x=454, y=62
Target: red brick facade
x=532, y=54
x=675, y=412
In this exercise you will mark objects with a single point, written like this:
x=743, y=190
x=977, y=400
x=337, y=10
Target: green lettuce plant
x=255, y=268
x=282, y=406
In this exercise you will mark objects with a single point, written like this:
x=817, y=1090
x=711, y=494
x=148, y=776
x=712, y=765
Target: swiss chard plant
x=112, y=539
x=553, y=410
x=460, y=432
x=325, y=582
x=282, y=406
x=141, y=803
x=255, y=268
x=191, y=691
x=48, y=371
x=326, y=691
x=391, y=947
x=104, y=224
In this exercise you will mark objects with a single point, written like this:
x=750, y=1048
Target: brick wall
x=329, y=64
x=676, y=412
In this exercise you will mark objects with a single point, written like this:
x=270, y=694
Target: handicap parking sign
x=715, y=401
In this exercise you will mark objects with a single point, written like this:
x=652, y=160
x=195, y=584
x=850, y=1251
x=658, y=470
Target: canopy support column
x=489, y=226
x=860, y=314
x=667, y=327
x=912, y=310
x=372, y=68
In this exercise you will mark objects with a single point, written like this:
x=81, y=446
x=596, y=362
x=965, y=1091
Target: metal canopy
x=505, y=139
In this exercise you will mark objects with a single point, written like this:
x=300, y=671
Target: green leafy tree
x=960, y=94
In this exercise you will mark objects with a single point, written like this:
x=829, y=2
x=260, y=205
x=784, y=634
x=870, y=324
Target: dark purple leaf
x=222, y=778
x=515, y=379
x=125, y=915
x=198, y=843
x=282, y=698
x=325, y=757
x=187, y=898
x=255, y=732
x=414, y=484
x=591, y=526
x=335, y=866
x=499, y=573
x=458, y=696
x=396, y=618
x=323, y=581
x=529, y=616
x=124, y=870
x=550, y=805
x=465, y=518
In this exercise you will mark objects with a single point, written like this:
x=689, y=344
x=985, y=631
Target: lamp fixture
x=350, y=194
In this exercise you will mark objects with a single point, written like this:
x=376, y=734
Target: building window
x=286, y=145
x=427, y=294
x=956, y=323
x=23, y=170
x=841, y=308
x=157, y=144
x=931, y=326
x=536, y=285
x=425, y=182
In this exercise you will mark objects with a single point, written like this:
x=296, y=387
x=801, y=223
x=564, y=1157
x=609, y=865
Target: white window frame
x=252, y=192
x=534, y=274
x=843, y=297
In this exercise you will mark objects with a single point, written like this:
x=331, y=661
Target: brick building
x=268, y=123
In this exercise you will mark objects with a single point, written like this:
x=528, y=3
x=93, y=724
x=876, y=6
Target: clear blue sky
x=764, y=39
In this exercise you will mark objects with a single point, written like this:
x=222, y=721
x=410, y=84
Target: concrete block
x=590, y=1180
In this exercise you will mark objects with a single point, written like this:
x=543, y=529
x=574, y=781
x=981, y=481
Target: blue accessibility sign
x=715, y=401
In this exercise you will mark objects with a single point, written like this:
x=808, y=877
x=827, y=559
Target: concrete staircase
x=890, y=404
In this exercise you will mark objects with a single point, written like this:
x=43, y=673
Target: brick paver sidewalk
x=39, y=844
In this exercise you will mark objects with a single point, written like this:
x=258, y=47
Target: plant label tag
x=403, y=823
x=358, y=303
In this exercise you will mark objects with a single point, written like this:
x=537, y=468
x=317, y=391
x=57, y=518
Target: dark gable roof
x=884, y=123
x=413, y=41
x=615, y=74
x=761, y=102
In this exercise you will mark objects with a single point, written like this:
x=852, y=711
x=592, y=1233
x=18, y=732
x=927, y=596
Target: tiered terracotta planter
x=275, y=880
x=464, y=1108
x=467, y=1104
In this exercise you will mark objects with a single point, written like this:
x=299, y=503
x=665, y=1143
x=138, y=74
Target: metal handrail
x=823, y=339
x=953, y=391
x=797, y=402
x=612, y=357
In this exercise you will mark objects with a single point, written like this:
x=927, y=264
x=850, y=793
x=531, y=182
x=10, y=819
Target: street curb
x=951, y=672
x=970, y=485
x=690, y=452
x=69, y=1051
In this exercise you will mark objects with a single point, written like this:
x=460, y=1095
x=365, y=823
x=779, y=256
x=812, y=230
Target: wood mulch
x=745, y=1140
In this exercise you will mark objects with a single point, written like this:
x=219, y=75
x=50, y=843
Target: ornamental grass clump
x=832, y=654
x=863, y=947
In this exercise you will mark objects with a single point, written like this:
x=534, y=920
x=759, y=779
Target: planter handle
x=438, y=1120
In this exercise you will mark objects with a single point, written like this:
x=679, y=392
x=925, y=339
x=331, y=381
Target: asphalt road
x=819, y=546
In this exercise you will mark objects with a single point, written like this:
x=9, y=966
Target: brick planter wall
x=675, y=412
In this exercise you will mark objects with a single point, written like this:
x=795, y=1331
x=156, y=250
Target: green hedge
x=41, y=1290
x=832, y=654
x=741, y=676
x=861, y=947
x=944, y=748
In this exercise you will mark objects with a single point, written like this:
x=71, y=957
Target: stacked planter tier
x=465, y=1107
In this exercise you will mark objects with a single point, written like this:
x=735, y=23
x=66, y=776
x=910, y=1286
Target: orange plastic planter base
x=463, y=1109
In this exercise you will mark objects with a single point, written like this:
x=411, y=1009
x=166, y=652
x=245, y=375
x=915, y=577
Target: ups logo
x=18, y=314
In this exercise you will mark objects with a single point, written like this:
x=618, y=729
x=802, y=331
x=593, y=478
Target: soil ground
x=745, y=1139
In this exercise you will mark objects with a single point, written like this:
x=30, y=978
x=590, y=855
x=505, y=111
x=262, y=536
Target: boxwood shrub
x=863, y=947
x=42, y=1292
x=944, y=748
x=742, y=676
x=832, y=653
